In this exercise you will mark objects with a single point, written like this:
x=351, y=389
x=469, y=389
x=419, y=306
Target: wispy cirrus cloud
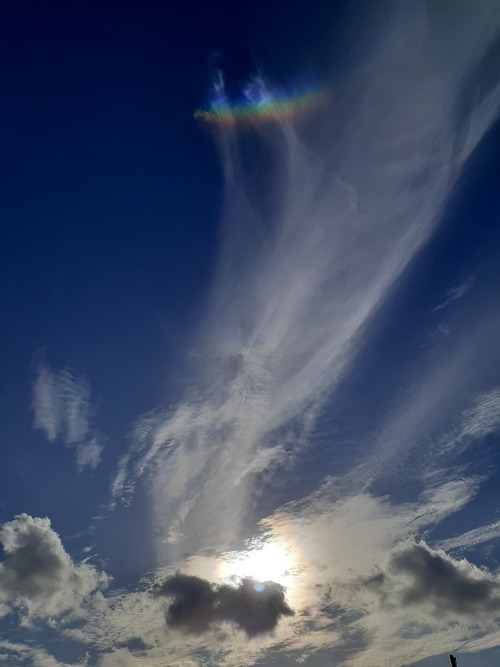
x=484, y=417
x=300, y=277
x=62, y=409
x=472, y=538
x=456, y=293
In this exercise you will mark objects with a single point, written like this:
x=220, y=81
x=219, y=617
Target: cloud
x=89, y=454
x=304, y=266
x=299, y=280
x=473, y=537
x=118, y=658
x=417, y=575
x=255, y=607
x=335, y=543
x=61, y=405
x=484, y=417
x=456, y=293
x=37, y=576
x=450, y=586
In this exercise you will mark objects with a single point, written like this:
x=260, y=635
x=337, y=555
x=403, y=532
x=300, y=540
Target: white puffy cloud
x=61, y=405
x=37, y=576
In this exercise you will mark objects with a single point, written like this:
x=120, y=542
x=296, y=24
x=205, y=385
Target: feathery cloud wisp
x=61, y=406
x=456, y=293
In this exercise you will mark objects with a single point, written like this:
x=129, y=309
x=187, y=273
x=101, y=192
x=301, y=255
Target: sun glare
x=269, y=562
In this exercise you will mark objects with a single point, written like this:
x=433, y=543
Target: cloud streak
x=62, y=409
x=456, y=293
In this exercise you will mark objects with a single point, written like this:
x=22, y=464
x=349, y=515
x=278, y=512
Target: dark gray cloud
x=419, y=575
x=254, y=607
x=447, y=583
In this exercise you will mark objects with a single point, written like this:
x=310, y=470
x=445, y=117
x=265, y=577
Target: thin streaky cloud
x=456, y=293
x=472, y=538
x=484, y=417
x=62, y=409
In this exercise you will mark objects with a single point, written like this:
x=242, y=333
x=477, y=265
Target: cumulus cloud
x=37, y=576
x=62, y=409
x=252, y=606
x=450, y=586
x=417, y=575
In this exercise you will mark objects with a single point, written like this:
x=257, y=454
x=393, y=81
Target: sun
x=267, y=562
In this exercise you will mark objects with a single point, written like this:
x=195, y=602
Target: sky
x=250, y=387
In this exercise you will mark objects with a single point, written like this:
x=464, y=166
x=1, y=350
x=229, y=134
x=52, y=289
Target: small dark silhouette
x=453, y=661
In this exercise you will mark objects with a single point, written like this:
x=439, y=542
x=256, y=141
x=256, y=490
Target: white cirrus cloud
x=62, y=409
x=472, y=538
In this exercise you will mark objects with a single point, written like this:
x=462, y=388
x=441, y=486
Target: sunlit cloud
x=38, y=578
x=266, y=562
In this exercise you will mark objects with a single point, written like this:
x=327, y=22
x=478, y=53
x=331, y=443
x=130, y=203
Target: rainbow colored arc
x=222, y=112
